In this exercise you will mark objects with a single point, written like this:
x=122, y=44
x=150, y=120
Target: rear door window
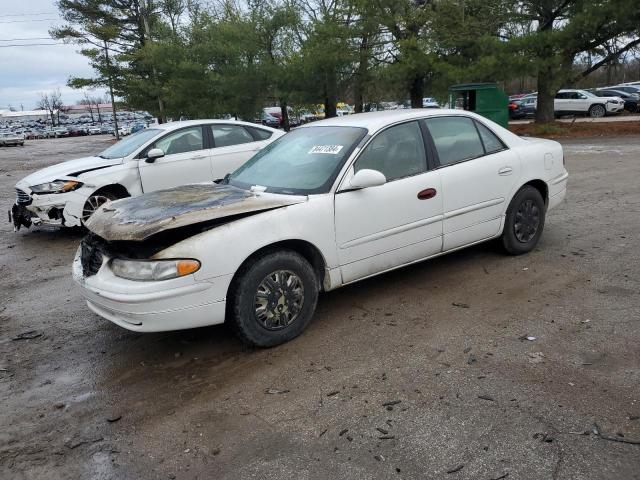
x=456, y=139
x=228, y=135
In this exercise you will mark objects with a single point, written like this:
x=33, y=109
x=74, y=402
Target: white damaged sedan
x=160, y=157
x=326, y=205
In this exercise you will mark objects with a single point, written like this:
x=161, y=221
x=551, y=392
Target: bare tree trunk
x=416, y=91
x=147, y=29
x=545, y=111
x=546, y=95
x=113, y=102
x=284, y=111
x=330, y=95
x=363, y=66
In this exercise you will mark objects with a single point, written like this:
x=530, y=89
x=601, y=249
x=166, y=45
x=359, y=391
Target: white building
x=8, y=115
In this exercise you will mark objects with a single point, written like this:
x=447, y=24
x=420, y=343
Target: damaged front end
x=24, y=213
x=198, y=207
x=141, y=227
x=19, y=215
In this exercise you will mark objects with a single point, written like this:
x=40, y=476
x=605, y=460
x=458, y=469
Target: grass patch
x=576, y=130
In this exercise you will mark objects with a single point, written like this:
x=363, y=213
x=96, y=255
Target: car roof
x=186, y=123
x=375, y=121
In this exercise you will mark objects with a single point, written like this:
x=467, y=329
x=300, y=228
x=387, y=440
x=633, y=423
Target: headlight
x=57, y=186
x=148, y=270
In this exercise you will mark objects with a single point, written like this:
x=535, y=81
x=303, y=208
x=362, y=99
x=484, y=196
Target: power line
x=29, y=44
x=36, y=20
x=27, y=14
x=20, y=39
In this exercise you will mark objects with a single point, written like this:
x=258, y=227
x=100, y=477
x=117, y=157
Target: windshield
x=304, y=161
x=130, y=144
x=588, y=93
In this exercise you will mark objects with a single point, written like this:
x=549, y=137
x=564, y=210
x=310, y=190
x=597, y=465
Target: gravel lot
x=413, y=374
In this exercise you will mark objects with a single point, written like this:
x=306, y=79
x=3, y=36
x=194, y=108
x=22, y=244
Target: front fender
x=224, y=248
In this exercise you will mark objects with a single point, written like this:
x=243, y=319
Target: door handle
x=505, y=171
x=195, y=157
x=427, y=193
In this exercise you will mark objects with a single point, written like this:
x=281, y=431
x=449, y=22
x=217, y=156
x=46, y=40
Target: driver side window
x=397, y=152
x=185, y=140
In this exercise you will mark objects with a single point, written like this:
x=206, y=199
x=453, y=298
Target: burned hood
x=139, y=218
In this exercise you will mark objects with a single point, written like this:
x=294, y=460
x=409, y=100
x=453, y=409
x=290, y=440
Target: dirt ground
x=424, y=373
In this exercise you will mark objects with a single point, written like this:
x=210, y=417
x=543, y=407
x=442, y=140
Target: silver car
x=11, y=138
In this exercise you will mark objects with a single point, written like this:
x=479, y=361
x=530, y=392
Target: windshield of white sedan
x=304, y=161
x=130, y=144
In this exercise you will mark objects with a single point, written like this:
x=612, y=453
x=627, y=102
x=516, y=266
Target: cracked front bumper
x=57, y=210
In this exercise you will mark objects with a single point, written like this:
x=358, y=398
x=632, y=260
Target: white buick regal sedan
x=160, y=157
x=328, y=204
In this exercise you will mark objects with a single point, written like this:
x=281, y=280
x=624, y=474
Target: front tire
x=524, y=221
x=273, y=298
x=597, y=111
x=95, y=201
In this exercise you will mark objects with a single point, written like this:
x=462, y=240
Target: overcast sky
x=26, y=71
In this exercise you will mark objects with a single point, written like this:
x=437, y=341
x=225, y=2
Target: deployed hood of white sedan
x=71, y=168
x=141, y=217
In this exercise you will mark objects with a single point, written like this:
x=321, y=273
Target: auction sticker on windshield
x=330, y=149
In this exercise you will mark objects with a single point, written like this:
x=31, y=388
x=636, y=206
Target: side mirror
x=366, y=178
x=153, y=155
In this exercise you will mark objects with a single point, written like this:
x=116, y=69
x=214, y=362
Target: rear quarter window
x=259, y=133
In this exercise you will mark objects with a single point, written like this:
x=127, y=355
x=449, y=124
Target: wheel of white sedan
x=94, y=202
x=524, y=221
x=273, y=298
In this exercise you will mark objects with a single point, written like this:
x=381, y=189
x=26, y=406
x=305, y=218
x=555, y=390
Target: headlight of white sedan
x=150, y=270
x=57, y=186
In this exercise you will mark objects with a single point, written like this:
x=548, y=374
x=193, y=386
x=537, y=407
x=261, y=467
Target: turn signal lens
x=186, y=267
x=68, y=186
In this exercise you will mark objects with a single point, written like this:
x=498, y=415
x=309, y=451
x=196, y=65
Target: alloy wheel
x=598, y=111
x=92, y=204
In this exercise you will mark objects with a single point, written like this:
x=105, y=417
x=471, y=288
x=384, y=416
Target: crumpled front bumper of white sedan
x=54, y=209
x=148, y=306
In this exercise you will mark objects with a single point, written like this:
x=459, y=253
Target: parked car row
x=128, y=122
x=594, y=103
x=244, y=224
x=272, y=116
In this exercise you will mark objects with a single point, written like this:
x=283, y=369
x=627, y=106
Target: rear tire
x=273, y=298
x=524, y=221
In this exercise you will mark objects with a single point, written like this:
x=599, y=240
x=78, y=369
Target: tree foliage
x=202, y=59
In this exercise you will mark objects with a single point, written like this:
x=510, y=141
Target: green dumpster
x=485, y=99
